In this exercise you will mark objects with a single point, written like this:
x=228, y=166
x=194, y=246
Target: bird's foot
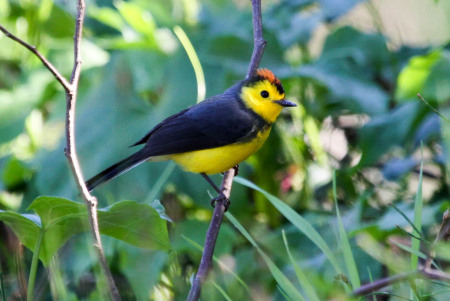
x=236, y=170
x=222, y=198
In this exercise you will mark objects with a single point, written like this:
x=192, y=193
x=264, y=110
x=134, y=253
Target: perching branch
x=71, y=89
x=214, y=227
x=211, y=237
x=259, y=44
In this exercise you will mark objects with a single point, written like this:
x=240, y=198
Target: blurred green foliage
x=358, y=113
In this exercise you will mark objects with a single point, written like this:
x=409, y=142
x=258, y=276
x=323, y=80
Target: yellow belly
x=219, y=159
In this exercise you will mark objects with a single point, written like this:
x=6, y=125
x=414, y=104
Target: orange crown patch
x=267, y=74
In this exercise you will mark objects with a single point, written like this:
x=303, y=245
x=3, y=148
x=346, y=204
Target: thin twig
x=385, y=282
x=381, y=283
x=214, y=227
x=44, y=61
x=71, y=89
x=71, y=153
x=259, y=44
x=433, y=109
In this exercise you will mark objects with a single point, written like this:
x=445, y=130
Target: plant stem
x=71, y=153
x=47, y=64
x=211, y=237
x=214, y=227
x=34, y=266
x=259, y=44
x=71, y=89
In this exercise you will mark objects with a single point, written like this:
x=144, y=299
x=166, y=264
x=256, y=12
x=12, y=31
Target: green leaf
x=137, y=224
x=436, y=85
x=347, y=67
x=142, y=268
x=17, y=104
x=348, y=84
x=25, y=226
x=107, y=16
x=60, y=219
x=291, y=29
x=442, y=250
x=298, y=221
x=381, y=253
x=139, y=19
x=15, y=172
x=66, y=24
x=412, y=78
x=377, y=136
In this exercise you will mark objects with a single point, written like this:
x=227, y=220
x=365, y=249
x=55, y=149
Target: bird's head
x=264, y=94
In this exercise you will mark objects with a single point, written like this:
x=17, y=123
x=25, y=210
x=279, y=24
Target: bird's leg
x=222, y=197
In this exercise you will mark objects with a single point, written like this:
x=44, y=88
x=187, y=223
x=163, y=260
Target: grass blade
x=187, y=45
x=162, y=179
x=371, y=280
x=432, y=108
x=415, y=243
x=221, y=291
x=225, y=267
x=298, y=221
x=280, y=278
x=302, y=279
x=410, y=250
x=345, y=244
x=418, y=205
x=406, y=218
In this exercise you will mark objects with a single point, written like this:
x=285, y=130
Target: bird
x=214, y=135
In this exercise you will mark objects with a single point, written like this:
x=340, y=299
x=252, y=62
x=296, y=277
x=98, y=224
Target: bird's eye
x=264, y=94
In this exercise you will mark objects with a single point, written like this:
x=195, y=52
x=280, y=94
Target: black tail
x=116, y=170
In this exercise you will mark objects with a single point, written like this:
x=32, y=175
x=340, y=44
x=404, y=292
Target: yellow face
x=260, y=97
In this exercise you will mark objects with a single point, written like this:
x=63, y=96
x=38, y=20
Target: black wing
x=217, y=121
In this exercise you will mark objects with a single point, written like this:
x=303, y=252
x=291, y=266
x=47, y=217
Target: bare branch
x=214, y=227
x=381, y=283
x=258, y=40
x=70, y=151
x=44, y=61
x=385, y=282
x=426, y=272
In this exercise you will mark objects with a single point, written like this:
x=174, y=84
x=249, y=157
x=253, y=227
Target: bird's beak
x=285, y=103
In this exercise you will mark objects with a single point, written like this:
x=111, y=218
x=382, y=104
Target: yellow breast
x=219, y=159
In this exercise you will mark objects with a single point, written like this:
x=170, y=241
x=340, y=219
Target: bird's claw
x=222, y=198
x=236, y=170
